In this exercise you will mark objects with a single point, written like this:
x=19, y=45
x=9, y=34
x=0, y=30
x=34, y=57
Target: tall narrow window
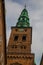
x=24, y=38
x=15, y=38
x=15, y=46
x=24, y=47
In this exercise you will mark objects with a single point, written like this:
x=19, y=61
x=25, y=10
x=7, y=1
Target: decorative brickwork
x=19, y=46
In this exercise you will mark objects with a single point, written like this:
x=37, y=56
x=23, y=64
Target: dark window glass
x=24, y=38
x=15, y=46
x=24, y=47
x=16, y=29
x=15, y=38
x=7, y=56
x=25, y=30
x=10, y=56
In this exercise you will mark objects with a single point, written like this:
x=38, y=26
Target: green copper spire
x=23, y=20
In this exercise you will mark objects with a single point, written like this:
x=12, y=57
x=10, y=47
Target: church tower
x=2, y=34
x=19, y=46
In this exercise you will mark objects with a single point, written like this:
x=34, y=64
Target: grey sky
x=35, y=10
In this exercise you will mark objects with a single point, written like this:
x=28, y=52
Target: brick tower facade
x=19, y=45
x=2, y=33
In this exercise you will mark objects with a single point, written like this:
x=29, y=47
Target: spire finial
x=25, y=6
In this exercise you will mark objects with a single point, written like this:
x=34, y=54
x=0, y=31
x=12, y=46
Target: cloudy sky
x=35, y=10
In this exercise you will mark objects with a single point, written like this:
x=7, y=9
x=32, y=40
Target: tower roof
x=24, y=13
x=23, y=20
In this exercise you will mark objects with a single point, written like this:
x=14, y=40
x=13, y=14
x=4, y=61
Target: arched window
x=24, y=38
x=16, y=38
